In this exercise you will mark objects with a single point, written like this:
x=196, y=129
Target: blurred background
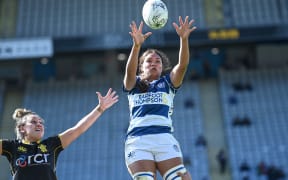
x=230, y=114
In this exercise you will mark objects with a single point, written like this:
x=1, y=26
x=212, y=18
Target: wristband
x=99, y=109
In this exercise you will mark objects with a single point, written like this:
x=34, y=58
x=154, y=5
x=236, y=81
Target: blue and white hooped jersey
x=154, y=107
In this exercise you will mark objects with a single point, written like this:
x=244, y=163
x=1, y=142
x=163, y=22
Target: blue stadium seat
x=263, y=140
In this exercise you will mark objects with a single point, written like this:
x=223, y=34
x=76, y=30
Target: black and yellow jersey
x=33, y=161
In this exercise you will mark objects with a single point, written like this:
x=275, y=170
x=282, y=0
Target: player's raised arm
x=183, y=30
x=132, y=63
x=87, y=121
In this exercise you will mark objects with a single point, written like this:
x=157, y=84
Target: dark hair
x=165, y=60
x=143, y=85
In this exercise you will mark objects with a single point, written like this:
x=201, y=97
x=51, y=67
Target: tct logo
x=24, y=161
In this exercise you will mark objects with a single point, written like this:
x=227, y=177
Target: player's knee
x=175, y=173
x=143, y=176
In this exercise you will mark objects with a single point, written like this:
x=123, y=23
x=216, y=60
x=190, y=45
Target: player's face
x=152, y=66
x=33, y=128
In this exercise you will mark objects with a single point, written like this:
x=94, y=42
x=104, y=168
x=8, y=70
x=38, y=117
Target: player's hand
x=137, y=35
x=108, y=100
x=185, y=27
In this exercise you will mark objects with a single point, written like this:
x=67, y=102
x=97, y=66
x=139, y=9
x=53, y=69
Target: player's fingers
x=99, y=95
x=193, y=28
x=113, y=94
x=186, y=19
x=140, y=26
x=175, y=26
x=180, y=20
x=133, y=26
x=109, y=92
x=191, y=22
x=147, y=35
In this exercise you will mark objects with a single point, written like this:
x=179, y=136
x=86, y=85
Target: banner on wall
x=25, y=48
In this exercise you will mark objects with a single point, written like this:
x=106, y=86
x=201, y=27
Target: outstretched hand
x=108, y=100
x=137, y=35
x=185, y=27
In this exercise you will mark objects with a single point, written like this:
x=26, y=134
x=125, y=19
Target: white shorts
x=156, y=147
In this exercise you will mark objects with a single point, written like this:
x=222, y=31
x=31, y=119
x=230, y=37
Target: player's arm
x=132, y=63
x=183, y=30
x=131, y=68
x=68, y=136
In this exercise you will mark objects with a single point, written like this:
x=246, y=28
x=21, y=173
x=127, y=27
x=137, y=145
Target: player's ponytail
x=142, y=85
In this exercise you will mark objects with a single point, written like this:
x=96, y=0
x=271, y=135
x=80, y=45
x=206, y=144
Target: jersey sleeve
x=54, y=143
x=8, y=148
x=134, y=88
x=171, y=86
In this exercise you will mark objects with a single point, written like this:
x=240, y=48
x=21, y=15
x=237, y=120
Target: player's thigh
x=142, y=165
x=164, y=166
